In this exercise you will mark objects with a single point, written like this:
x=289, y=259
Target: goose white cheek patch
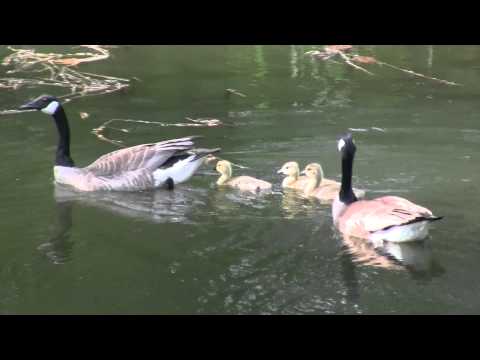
x=341, y=144
x=51, y=108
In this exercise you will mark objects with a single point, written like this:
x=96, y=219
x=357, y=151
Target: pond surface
x=200, y=250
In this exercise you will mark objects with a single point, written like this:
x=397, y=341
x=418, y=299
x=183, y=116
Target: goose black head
x=46, y=103
x=346, y=145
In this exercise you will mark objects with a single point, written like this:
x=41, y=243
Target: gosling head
x=224, y=167
x=290, y=169
x=313, y=170
x=47, y=104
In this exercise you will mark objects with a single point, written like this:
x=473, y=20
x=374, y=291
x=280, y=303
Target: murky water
x=203, y=250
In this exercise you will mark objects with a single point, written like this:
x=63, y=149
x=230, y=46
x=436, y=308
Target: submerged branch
x=419, y=75
x=347, y=60
x=60, y=72
x=332, y=51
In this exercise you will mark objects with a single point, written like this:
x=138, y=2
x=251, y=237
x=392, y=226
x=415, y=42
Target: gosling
x=244, y=183
x=293, y=179
x=323, y=189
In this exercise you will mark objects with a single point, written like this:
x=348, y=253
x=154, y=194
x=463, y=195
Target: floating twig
x=419, y=75
x=235, y=92
x=205, y=122
x=98, y=132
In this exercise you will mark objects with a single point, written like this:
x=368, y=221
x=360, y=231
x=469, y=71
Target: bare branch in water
x=332, y=51
x=419, y=75
x=99, y=131
x=205, y=122
x=60, y=72
x=347, y=60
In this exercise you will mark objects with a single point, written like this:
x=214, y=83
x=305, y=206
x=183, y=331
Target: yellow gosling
x=245, y=183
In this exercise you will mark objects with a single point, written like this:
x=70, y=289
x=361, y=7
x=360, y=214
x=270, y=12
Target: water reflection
x=233, y=203
x=294, y=204
x=262, y=70
x=414, y=257
x=158, y=206
x=58, y=249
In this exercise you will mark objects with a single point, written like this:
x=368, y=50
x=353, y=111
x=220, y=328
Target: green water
x=198, y=250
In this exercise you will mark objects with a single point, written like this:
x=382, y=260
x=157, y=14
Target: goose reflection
x=414, y=257
x=294, y=204
x=157, y=206
x=58, y=249
x=153, y=206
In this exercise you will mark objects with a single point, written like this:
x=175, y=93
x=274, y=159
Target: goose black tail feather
x=182, y=155
x=199, y=153
x=417, y=219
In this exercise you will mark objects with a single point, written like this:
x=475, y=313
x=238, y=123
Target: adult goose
x=389, y=218
x=136, y=168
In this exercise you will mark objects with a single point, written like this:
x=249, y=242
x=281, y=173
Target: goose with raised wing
x=387, y=218
x=136, y=168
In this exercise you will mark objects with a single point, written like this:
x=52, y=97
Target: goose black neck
x=347, y=195
x=63, y=148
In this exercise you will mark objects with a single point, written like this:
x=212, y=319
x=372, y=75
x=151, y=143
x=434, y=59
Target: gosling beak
x=280, y=171
x=303, y=172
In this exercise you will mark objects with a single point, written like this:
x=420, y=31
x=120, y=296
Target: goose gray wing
x=136, y=180
x=145, y=156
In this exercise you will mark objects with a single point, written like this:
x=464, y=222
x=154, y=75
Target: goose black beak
x=31, y=105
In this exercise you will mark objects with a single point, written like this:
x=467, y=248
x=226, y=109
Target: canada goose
x=246, y=183
x=389, y=218
x=323, y=189
x=293, y=179
x=140, y=167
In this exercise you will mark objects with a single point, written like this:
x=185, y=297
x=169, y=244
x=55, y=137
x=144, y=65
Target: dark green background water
x=201, y=250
